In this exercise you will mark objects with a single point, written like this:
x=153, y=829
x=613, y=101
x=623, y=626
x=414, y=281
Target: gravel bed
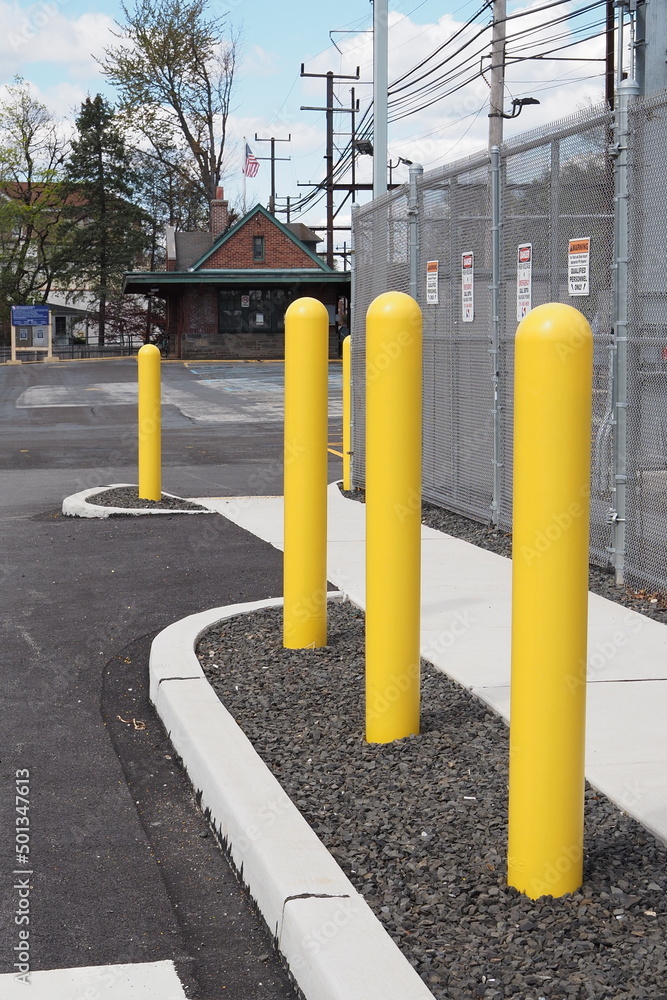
x=600, y=581
x=419, y=826
x=128, y=496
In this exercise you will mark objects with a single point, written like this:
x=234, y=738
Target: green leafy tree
x=107, y=230
x=174, y=71
x=31, y=198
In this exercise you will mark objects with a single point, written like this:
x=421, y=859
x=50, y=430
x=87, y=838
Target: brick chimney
x=171, y=247
x=219, y=213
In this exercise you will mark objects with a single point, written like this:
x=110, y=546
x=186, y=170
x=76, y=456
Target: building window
x=259, y=310
x=258, y=248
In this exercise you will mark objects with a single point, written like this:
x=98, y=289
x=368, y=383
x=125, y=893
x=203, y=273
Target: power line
x=394, y=89
x=449, y=82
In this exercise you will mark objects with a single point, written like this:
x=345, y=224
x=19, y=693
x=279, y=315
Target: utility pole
x=380, y=95
x=651, y=45
x=330, y=77
x=497, y=96
x=273, y=158
x=354, y=107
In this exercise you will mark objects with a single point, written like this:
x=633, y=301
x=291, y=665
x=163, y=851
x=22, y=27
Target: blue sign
x=30, y=315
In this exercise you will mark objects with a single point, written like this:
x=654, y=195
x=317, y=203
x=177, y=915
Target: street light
x=517, y=105
x=363, y=146
x=392, y=166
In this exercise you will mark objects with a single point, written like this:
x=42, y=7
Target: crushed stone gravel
x=128, y=496
x=419, y=826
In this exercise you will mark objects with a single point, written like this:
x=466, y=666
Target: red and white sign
x=524, y=280
x=432, y=282
x=468, y=286
x=578, y=266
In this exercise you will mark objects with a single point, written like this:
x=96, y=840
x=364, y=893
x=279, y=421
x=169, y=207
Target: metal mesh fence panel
x=458, y=387
x=646, y=516
x=381, y=263
x=557, y=186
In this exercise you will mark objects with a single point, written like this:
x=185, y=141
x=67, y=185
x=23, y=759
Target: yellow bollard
x=393, y=516
x=306, y=435
x=347, y=415
x=150, y=445
x=552, y=445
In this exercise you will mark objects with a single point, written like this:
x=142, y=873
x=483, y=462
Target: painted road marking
x=250, y=406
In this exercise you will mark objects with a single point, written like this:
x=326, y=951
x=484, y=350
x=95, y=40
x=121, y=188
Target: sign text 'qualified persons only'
x=578, y=266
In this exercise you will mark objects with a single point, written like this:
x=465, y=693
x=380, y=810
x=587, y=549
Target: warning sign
x=578, y=266
x=524, y=280
x=432, y=282
x=468, y=286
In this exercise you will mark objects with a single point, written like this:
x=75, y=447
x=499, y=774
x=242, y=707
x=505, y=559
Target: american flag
x=251, y=165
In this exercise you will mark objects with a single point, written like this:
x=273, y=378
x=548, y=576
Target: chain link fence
x=646, y=534
x=549, y=194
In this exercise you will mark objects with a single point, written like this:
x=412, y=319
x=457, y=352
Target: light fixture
x=363, y=146
x=517, y=104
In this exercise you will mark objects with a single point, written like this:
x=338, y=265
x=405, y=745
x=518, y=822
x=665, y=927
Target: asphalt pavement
x=124, y=870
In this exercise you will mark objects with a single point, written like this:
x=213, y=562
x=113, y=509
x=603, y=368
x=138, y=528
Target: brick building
x=227, y=290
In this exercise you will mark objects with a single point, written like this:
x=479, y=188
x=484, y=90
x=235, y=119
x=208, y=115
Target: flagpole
x=245, y=178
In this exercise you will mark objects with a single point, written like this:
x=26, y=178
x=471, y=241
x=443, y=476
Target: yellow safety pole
x=150, y=444
x=347, y=415
x=393, y=516
x=306, y=435
x=552, y=446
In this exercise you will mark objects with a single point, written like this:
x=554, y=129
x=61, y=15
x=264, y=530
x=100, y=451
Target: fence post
x=150, y=420
x=416, y=172
x=354, y=221
x=626, y=90
x=306, y=432
x=552, y=446
x=495, y=331
x=347, y=415
x=393, y=516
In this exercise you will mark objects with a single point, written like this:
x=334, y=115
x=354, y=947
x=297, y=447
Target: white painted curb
x=333, y=944
x=77, y=505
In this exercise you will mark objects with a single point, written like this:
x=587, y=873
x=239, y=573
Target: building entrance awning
x=163, y=282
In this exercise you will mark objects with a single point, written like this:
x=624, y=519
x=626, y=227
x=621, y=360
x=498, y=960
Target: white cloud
x=43, y=33
x=258, y=62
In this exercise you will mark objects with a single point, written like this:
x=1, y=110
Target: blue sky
x=52, y=43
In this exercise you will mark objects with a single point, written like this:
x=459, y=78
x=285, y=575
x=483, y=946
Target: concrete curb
x=77, y=505
x=332, y=943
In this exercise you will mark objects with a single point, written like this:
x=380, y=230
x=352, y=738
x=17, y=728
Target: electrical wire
x=429, y=87
x=394, y=89
x=406, y=104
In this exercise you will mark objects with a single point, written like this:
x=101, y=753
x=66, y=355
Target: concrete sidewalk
x=466, y=605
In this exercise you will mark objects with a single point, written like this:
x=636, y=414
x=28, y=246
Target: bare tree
x=174, y=70
x=31, y=202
